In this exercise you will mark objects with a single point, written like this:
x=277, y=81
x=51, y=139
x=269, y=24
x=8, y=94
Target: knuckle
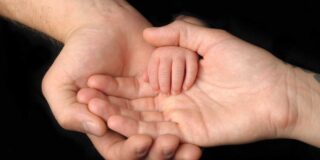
x=221, y=33
x=179, y=23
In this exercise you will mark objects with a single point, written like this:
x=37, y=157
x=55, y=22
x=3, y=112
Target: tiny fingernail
x=90, y=127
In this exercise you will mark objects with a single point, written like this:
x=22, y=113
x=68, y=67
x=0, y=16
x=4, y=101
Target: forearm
x=59, y=18
x=306, y=88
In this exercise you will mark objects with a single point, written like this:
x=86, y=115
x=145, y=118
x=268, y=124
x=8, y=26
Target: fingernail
x=167, y=154
x=142, y=153
x=90, y=127
x=185, y=88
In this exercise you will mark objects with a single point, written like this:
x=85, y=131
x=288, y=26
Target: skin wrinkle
x=289, y=118
x=202, y=118
x=294, y=99
x=166, y=117
x=212, y=46
x=137, y=86
x=278, y=134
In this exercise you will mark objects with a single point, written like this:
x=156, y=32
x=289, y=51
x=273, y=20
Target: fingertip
x=100, y=108
x=114, y=122
x=164, y=147
x=135, y=147
x=93, y=125
x=92, y=81
x=169, y=145
x=188, y=151
x=77, y=117
x=84, y=95
x=101, y=82
x=142, y=145
x=95, y=104
x=94, y=128
x=123, y=125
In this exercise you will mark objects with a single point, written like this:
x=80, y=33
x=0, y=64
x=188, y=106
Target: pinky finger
x=191, y=71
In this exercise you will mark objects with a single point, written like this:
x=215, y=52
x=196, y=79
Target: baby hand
x=172, y=68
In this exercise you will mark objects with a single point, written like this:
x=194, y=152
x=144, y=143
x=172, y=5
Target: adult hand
x=242, y=93
x=110, y=45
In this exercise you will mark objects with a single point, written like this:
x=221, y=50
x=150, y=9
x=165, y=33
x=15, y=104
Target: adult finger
x=84, y=95
x=125, y=87
x=164, y=147
x=192, y=20
x=71, y=114
x=128, y=127
x=113, y=146
x=187, y=35
x=105, y=109
x=188, y=151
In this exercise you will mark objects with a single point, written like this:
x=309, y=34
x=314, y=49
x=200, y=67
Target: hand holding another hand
x=240, y=94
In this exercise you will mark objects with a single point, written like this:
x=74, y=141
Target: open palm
x=240, y=94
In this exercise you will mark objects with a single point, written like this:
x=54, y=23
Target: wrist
x=103, y=13
x=60, y=18
x=304, y=96
x=112, y=17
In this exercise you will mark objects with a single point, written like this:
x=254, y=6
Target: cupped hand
x=92, y=49
x=240, y=94
x=102, y=48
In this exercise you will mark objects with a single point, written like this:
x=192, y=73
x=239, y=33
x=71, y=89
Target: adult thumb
x=183, y=34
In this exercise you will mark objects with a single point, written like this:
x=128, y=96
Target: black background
x=28, y=130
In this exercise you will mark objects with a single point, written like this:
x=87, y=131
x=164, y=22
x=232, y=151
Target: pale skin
x=242, y=94
x=95, y=42
x=172, y=69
